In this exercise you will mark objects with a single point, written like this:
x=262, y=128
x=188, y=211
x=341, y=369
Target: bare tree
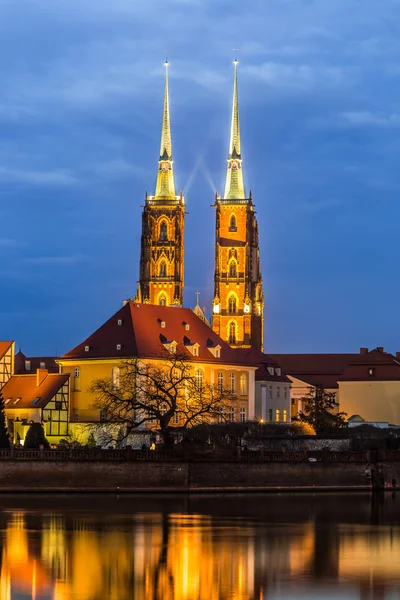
x=161, y=393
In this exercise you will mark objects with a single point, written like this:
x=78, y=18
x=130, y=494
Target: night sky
x=81, y=91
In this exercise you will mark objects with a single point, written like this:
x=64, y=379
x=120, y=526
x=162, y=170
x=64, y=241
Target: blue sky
x=80, y=114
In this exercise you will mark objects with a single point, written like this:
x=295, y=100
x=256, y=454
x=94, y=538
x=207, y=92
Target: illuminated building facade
x=162, y=241
x=238, y=304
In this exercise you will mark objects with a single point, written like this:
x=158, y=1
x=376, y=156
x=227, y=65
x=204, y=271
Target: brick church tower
x=162, y=241
x=238, y=304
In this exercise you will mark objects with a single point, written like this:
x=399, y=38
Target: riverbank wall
x=132, y=471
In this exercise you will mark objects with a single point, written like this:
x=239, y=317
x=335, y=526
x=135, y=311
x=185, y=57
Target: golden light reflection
x=185, y=556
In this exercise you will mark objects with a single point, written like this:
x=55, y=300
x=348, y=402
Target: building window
x=278, y=391
x=220, y=382
x=163, y=269
x=195, y=350
x=285, y=392
x=242, y=415
x=162, y=300
x=371, y=372
x=232, y=414
x=103, y=416
x=278, y=371
x=270, y=391
x=115, y=378
x=27, y=365
x=243, y=384
x=232, y=332
x=42, y=365
x=284, y=415
x=232, y=382
x=77, y=372
x=176, y=419
x=270, y=415
x=233, y=269
x=293, y=401
x=270, y=370
x=199, y=379
x=277, y=415
x=150, y=417
x=232, y=223
x=233, y=253
x=232, y=305
x=163, y=232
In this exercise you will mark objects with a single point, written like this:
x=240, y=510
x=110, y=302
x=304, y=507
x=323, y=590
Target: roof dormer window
x=119, y=322
x=119, y=347
x=215, y=350
x=278, y=371
x=187, y=326
x=170, y=346
x=371, y=371
x=27, y=365
x=87, y=348
x=193, y=348
x=162, y=324
x=270, y=370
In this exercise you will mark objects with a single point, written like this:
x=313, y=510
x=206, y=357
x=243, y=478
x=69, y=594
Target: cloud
x=366, y=117
x=54, y=261
x=11, y=243
x=300, y=77
x=57, y=177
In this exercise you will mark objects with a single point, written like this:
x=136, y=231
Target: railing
x=225, y=455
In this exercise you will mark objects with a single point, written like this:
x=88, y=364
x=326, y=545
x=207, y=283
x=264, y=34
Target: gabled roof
x=376, y=365
x=315, y=369
x=263, y=361
x=49, y=363
x=25, y=387
x=145, y=328
x=4, y=346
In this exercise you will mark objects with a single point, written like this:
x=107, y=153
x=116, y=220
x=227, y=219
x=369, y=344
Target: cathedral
x=238, y=302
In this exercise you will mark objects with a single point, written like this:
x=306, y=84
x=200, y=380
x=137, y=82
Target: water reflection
x=203, y=548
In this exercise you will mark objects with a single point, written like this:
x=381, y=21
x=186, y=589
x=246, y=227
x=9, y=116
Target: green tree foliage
x=35, y=437
x=4, y=437
x=320, y=410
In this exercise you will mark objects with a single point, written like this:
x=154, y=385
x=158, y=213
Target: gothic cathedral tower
x=162, y=242
x=238, y=304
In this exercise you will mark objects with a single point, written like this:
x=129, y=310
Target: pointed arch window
x=232, y=223
x=115, y=378
x=162, y=300
x=233, y=253
x=232, y=304
x=163, y=269
x=232, y=332
x=233, y=269
x=163, y=232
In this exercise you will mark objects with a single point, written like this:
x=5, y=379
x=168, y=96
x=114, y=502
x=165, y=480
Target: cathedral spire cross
x=197, y=293
x=234, y=186
x=165, y=187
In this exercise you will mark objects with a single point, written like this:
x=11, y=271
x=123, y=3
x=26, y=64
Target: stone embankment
x=154, y=471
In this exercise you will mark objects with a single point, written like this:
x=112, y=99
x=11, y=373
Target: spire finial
x=197, y=293
x=234, y=186
x=165, y=187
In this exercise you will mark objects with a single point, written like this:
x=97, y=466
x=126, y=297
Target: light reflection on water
x=245, y=547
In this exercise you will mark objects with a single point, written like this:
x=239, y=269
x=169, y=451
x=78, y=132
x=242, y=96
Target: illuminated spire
x=234, y=186
x=165, y=187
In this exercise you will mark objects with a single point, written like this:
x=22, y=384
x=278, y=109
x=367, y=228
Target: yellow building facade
x=144, y=331
x=238, y=303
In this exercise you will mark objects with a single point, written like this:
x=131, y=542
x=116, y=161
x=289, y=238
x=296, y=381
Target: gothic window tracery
x=162, y=300
x=232, y=223
x=233, y=268
x=232, y=304
x=232, y=332
x=163, y=232
x=163, y=269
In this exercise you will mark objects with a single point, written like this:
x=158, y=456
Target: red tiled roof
x=256, y=357
x=386, y=367
x=315, y=369
x=142, y=335
x=25, y=387
x=4, y=346
x=36, y=361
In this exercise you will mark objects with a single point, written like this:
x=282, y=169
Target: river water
x=242, y=547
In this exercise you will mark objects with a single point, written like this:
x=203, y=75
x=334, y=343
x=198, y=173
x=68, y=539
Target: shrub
x=35, y=437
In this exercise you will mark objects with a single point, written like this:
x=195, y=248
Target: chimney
x=363, y=351
x=41, y=375
x=380, y=348
x=398, y=355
